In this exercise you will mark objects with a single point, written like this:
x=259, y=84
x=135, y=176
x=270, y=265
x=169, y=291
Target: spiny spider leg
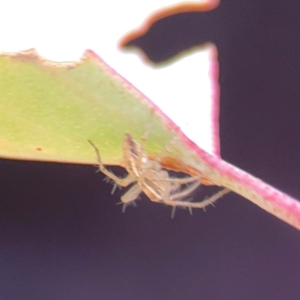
x=184, y=180
x=189, y=208
x=115, y=185
x=130, y=196
x=119, y=181
x=185, y=192
x=197, y=204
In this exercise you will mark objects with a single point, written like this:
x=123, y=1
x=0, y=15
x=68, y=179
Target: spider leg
x=132, y=194
x=119, y=181
x=180, y=181
x=174, y=188
x=185, y=192
x=115, y=185
x=197, y=204
x=185, y=180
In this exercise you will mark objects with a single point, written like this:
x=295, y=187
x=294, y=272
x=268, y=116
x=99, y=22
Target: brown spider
x=149, y=177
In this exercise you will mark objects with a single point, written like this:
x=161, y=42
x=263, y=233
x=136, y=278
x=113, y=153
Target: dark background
x=62, y=237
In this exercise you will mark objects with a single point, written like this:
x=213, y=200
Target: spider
x=149, y=177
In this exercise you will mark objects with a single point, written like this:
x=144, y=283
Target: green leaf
x=50, y=110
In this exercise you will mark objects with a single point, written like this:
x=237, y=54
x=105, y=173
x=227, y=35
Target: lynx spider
x=149, y=177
